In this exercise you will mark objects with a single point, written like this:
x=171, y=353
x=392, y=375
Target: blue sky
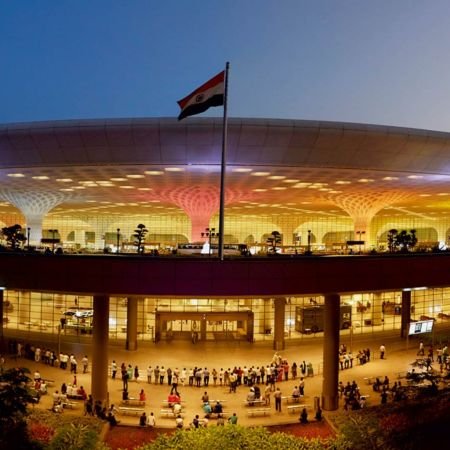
x=383, y=62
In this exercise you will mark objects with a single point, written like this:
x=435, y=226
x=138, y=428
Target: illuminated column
x=132, y=303
x=34, y=206
x=100, y=339
x=330, y=398
x=34, y=223
x=278, y=322
x=377, y=300
x=406, y=313
x=199, y=223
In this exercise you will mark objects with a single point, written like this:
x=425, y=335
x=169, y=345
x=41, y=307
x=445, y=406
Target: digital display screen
x=422, y=326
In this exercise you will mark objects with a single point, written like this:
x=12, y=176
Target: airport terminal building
x=312, y=210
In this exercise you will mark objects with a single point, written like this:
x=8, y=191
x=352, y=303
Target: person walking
x=85, y=363
x=113, y=370
x=277, y=396
x=382, y=351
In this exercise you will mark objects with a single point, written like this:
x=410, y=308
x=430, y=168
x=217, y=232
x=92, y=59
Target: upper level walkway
x=126, y=275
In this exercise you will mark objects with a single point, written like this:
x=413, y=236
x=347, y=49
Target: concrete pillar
x=406, y=313
x=203, y=328
x=330, y=398
x=132, y=309
x=24, y=307
x=2, y=344
x=100, y=339
x=377, y=300
x=278, y=323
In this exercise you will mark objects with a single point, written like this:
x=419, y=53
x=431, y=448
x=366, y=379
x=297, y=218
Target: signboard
x=422, y=326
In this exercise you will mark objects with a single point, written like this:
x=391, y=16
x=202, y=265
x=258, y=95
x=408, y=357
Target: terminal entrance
x=204, y=326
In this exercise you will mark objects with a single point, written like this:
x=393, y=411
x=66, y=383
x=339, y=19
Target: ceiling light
x=279, y=188
x=260, y=174
x=276, y=177
x=174, y=169
x=118, y=179
x=415, y=177
x=343, y=182
x=291, y=180
x=144, y=189
x=241, y=169
x=41, y=177
x=16, y=175
x=153, y=172
x=259, y=190
x=390, y=178
x=365, y=180
x=135, y=176
x=64, y=180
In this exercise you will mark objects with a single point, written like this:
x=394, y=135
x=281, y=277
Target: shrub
x=233, y=438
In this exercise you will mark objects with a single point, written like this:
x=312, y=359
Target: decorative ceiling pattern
x=122, y=166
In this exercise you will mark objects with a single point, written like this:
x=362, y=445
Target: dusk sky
x=383, y=62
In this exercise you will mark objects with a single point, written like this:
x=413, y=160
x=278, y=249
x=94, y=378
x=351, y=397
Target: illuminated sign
x=422, y=326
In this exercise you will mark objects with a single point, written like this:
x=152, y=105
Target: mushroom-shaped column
x=199, y=203
x=363, y=205
x=34, y=206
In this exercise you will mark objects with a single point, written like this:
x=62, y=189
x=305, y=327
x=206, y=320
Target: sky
x=381, y=62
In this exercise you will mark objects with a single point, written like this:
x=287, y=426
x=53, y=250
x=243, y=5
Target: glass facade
x=364, y=313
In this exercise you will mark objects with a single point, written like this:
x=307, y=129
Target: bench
x=132, y=402
x=292, y=399
x=168, y=404
x=70, y=405
x=75, y=396
x=130, y=411
x=255, y=402
x=213, y=415
x=371, y=380
x=168, y=413
x=294, y=408
x=259, y=412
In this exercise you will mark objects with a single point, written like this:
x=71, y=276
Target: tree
x=14, y=236
x=402, y=240
x=274, y=240
x=391, y=239
x=139, y=237
x=14, y=399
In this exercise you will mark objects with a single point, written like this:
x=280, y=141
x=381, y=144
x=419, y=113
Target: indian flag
x=207, y=95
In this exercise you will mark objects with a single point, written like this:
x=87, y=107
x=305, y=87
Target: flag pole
x=223, y=165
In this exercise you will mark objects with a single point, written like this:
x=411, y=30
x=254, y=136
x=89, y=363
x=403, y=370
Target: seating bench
x=167, y=404
x=131, y=411
x=254, y=402
x=259, y=412
x=294, y=408
x=168, y=413
x=70, y=405
x=213, y=415
x=75, y=396
x=291, y=399
x=132, y=402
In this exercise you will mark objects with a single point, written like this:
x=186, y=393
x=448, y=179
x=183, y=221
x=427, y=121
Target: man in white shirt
x=149, y=374
x=151, y=421
x=382, y=351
